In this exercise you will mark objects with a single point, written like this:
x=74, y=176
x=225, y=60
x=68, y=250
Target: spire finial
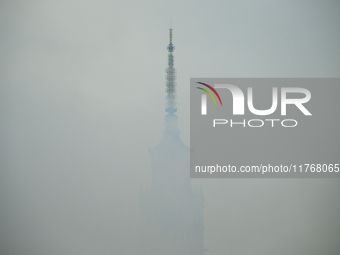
x=171, y=77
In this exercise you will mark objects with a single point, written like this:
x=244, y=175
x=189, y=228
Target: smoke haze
x=82, y=100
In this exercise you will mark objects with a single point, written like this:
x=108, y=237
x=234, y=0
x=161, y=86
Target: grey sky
x=82, y=100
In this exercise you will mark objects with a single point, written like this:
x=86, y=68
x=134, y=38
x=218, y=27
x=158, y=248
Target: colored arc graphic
x=212, y=90
x=208, y=93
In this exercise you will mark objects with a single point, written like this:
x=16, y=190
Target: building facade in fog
x=171, y=213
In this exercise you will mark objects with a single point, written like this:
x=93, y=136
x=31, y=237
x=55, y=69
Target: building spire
x=170, y=83
x=171, y=129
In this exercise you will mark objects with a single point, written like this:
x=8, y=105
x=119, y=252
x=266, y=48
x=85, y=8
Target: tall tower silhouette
x=171, y=213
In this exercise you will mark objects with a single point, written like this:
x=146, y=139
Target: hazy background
x=82, y=100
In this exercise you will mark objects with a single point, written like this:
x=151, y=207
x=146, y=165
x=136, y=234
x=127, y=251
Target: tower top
x=171, y=47
x=170, y=88
x=170, y=84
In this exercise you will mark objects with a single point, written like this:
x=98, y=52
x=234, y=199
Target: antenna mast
x=170, y=84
